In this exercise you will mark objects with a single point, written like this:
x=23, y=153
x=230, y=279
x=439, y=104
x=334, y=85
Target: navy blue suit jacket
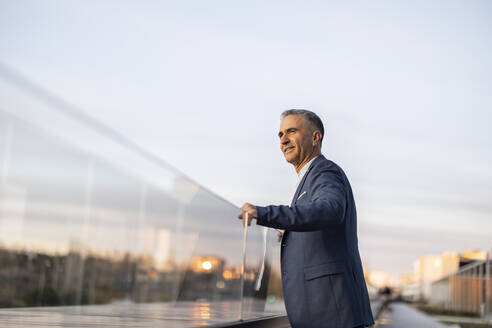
x=322, y=277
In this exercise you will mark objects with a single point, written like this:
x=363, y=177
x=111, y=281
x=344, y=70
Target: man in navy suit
x=322, y=276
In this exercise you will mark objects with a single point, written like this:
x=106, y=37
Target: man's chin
x=289, y=159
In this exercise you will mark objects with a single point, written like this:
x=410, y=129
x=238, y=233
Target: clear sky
x=404, y=90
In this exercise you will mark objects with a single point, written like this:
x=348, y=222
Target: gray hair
x=313, y=120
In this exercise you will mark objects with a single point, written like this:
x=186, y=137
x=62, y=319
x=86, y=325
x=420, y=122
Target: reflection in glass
x=79, y=225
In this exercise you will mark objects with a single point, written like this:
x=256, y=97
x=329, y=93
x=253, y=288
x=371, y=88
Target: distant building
x=406, y=278
x=432, y=267
x=411, y=291
x=427, y=268
x=472, y=255
x=450, y=263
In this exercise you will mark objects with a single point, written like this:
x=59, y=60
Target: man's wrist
x=260, y=211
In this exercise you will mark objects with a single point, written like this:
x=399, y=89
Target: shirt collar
x=304, y=169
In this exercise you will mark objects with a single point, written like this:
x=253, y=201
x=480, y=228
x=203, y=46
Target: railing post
x=243, y=266
x=476, y=302
x=480, y=288
x=474, y=293
x=453, y=292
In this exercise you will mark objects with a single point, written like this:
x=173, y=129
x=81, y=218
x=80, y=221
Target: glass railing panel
x=215, y=250
x=262, y=283
x=274, y=301
x=89, y=218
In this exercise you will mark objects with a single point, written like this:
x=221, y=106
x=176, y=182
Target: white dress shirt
x=303, y=171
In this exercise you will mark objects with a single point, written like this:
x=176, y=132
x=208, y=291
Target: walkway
x=401, y=315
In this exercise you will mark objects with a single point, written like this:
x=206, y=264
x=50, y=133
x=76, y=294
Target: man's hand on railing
x=250, y=209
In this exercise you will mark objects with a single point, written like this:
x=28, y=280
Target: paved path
x=401, y=315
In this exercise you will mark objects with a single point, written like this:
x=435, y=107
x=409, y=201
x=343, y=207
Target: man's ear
x=316, y=138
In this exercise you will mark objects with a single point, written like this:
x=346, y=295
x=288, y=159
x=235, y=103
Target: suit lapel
x=301, y=184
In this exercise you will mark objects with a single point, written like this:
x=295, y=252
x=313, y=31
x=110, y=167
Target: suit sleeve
x=325, y=209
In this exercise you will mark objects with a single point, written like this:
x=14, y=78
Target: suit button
x=283, y=245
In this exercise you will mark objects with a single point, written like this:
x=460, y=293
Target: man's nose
x=284, y=140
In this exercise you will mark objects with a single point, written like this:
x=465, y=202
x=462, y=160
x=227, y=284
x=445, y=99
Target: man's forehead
x=291, y=121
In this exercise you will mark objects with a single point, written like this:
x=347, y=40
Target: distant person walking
x=322, y=276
